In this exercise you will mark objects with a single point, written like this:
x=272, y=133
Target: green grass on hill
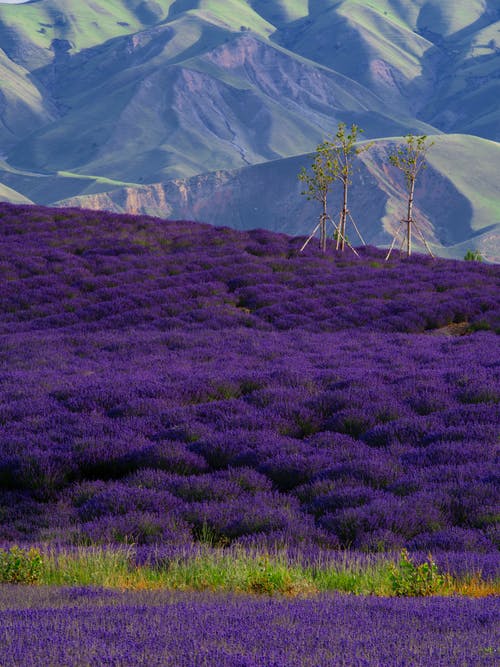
x=84, y=24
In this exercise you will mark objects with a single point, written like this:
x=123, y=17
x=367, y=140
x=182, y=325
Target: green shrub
x=267, y=576
x=410, y=580
x=473, y=256
x=20, y=566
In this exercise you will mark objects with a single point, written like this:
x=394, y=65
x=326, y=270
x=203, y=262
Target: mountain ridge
x=132, y=94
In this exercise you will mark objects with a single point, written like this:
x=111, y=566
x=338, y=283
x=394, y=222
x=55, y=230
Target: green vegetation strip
x=237, y=571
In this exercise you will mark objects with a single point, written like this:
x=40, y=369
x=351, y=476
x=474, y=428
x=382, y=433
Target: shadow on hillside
x=439, y=65
x=448, y=210
x=331, y=47
x=444, y=213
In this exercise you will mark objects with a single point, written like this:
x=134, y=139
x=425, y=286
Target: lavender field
x=171, y=387
x=170, y=382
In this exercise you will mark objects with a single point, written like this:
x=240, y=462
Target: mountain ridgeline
x=207, y=110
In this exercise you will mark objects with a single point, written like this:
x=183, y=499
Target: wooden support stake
x=410, y=225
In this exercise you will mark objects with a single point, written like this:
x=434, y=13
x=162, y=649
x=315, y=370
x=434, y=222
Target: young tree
x=334, y=161
x=345, y=152
x=317, y=185
x=411, y=158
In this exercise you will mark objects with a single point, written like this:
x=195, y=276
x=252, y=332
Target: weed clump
x=411, y=580
x=20, y=566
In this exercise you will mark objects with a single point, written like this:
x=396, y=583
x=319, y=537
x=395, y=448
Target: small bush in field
x=473, y=256
x=411, y=580
x=20, y=566
x=271, y=578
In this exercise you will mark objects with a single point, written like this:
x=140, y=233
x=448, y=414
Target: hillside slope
x=178, y=384
x=139, y=92
x=457, y=197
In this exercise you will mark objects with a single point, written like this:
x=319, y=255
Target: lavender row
x=91, y=627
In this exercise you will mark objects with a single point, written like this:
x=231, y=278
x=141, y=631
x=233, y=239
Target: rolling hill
x=176, y=383
x=108, y=103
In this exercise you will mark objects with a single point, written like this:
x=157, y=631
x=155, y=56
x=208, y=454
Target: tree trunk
x=344, y=214
x=410, y=214
x=322, y=237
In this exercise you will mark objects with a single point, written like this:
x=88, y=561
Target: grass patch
x=242, y=571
